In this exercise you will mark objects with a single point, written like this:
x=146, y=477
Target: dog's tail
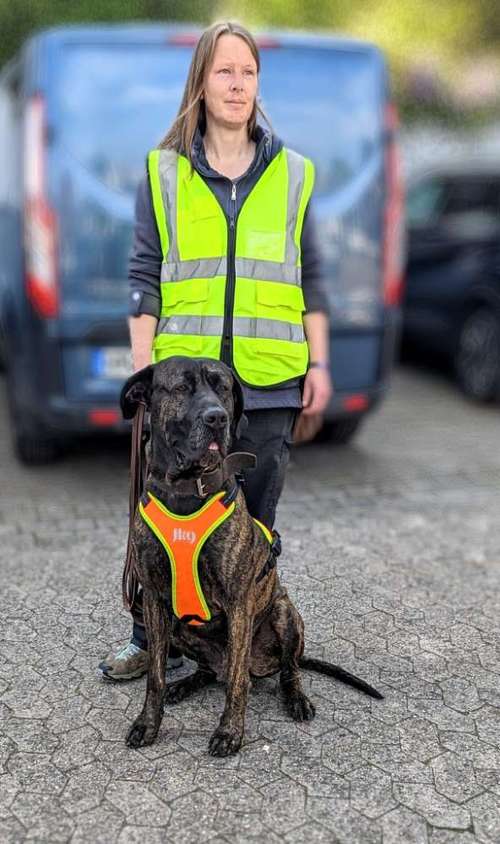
x=340, y=674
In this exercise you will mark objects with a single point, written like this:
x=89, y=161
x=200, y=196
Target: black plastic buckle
x=276, y=543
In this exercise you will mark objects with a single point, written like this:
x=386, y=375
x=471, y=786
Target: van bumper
x=62, y=418
x=362, y=361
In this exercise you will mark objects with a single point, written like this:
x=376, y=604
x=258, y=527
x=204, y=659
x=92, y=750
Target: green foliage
x=442, y=33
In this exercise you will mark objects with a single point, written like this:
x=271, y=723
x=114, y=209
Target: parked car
x=452, y=297
x=80, y=107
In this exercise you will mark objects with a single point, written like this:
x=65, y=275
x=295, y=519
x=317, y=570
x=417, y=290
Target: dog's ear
x=136, y=389
x=240, y=421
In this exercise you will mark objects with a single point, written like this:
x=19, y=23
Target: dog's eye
x=180, y=388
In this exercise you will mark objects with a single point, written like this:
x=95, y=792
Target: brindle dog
x=255, y=631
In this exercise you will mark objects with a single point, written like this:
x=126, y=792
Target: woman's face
x=231, y=83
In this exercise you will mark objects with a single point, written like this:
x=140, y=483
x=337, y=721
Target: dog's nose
x=215, y=417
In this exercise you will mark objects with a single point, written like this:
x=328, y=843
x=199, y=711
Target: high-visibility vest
x=183, y=538
x=237, y=285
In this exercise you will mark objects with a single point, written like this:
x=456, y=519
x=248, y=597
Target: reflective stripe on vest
x=269, y=344
x=183, y=538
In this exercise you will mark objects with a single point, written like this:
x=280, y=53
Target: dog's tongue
x=213, y=447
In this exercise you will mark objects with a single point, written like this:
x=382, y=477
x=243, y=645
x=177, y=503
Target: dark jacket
x=146, y=256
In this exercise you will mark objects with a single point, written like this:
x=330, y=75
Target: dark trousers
x=268, y=436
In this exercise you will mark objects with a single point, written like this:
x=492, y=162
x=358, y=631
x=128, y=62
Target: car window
x=473, y=195
x=425, y=201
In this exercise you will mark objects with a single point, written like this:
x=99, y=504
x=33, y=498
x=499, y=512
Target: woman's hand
x=317, y=391
x=316, y=395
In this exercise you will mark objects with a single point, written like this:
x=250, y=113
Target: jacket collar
x=267, y=147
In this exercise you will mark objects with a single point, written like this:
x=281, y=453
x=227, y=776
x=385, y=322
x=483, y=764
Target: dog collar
x=212, y=482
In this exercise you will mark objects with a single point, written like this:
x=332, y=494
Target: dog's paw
x=141, y=734
x=225, y=742
x=300, y=708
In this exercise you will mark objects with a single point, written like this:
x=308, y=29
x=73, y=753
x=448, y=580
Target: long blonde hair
x=192, y=109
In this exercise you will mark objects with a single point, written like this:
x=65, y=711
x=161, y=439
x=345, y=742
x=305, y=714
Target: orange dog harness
x=183, y=538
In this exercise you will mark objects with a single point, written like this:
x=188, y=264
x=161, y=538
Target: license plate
x=114, y=362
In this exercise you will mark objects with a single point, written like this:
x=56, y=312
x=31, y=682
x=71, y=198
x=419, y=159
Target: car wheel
x=477, y=356
x=338, y=432
x=31, y=446
x=33, y=451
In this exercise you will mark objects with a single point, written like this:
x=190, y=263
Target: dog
x=250, y=627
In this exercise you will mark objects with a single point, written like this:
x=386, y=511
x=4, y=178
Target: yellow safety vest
x=238, y=284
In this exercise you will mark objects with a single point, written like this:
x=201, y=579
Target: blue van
x=80, y=107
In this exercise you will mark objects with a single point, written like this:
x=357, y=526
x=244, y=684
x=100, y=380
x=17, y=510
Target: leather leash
x=130, y=581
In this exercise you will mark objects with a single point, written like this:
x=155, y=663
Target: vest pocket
x=262, y=245
x=276, y=300
x=183, y=295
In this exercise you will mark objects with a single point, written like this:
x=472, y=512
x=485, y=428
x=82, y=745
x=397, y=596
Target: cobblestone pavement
x=392, y=555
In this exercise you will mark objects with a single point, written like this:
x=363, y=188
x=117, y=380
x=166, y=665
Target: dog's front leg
x=228, y=736
x=145, y=727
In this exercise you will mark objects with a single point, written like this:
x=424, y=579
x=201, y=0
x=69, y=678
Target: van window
x=114, y=103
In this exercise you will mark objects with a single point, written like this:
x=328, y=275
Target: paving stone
x=85, y=788
x=346, y=824
x=243, y=827
x=101, y=825
x=443, y=716
x=485, y=811
x=35, y=772
x=460, y=693
x=465, y=636
x=283, y=807
x=341, y=751
x=259, y=763
x=488, y=724
x=141, y=834
x=30, y=736
x=9, y=788
x=444, y=836
x=401, y=825
x=192, y=815
x=430, y=666
x=76, y=747
x=310, y=832
x=137, y=803
x=403, y=643
x=117, y=757
x=371, y=791
x=235, y=795
x=12, y=830
x=394, y=708
x=437, y=809
x=397, y=763
x=412, y=685
x=316, y=778
x=43, y=817
x=455, y=777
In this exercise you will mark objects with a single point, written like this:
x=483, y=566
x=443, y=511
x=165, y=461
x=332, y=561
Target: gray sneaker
x=130, y=662
x=127, y=663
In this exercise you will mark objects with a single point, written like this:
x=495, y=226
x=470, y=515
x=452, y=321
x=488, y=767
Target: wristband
x=318, y=364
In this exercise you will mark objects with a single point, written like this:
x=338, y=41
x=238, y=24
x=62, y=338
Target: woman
x=210, y=279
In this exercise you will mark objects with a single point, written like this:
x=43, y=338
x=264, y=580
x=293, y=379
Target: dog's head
x=196, y=407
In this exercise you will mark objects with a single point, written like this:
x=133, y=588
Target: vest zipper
x=227, y=330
